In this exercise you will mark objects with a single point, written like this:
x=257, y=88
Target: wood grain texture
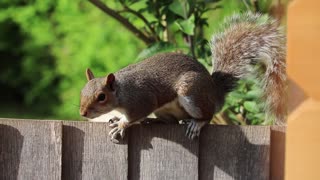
x=234, y=152
x=162, y=152
x=30, y=149
x=88, y=153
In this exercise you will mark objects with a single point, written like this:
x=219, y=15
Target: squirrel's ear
x=110, y=80
x=89, y=74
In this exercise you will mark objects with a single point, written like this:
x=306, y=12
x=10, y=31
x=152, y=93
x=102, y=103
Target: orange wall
x=303, y=131
x=304, y=45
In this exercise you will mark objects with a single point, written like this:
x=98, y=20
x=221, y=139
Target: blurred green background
x=45, y=47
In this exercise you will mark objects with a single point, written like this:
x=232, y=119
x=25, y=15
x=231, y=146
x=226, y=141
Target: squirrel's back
x=158, y=74
x=245, y=41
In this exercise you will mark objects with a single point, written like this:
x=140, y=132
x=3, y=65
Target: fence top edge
x=68, y=122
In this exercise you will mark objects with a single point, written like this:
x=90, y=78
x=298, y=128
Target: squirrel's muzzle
x=84, y=113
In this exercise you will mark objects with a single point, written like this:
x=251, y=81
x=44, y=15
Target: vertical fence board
x=30, y=150
x=89, y=154
x=234, y=152
x=162, y=152
x=278, y=141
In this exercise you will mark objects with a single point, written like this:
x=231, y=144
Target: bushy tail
x=245, y=42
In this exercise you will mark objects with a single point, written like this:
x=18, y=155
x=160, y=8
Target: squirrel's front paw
x=118, y=128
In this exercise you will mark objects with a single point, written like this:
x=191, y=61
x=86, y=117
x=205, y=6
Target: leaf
x=255, y=121
x=138, y=5
x=187, y=26
x=264, y=5
x=260, y=116
x=251, y=106
x=171, y=17
x=253, y=94
x=180, y=8
x=232, y=116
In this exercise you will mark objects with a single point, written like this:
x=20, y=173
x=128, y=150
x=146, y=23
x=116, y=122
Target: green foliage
x=170, y=24
x=262, y=6
x=45, y=47
x=242, y=105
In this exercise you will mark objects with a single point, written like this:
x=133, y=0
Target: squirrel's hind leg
x=199, y=116
x=171, y=113
x=194, y=128
x=195, y=98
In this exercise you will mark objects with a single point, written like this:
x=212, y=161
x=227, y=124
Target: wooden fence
x=31, y=149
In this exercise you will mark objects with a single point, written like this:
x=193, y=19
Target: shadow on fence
x=11, y=142
x=73, y=149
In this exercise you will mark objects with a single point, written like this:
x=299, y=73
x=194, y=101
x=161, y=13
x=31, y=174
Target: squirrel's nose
x=84, y=113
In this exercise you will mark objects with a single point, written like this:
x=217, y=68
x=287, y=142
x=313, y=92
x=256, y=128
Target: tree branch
x=191, y=41
x=123, y=21
x=128, y=9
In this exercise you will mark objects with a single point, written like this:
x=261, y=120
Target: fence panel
x=89, y=154
x=30, y=149
x=234, y=152
x=162, y=152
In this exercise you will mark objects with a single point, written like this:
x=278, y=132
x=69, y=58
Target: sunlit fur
x=249, y=39
x=89, y=102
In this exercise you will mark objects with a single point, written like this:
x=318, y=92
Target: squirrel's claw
x=114, y=134
x=194, y=127
x=113, y=120
x=115, y=131
x=112, y=125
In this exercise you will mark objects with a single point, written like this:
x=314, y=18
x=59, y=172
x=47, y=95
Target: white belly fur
x=173, y=108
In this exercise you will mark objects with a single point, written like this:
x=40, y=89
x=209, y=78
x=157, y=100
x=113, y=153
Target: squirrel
x=176, y=86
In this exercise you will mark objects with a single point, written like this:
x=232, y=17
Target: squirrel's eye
x=101, y=97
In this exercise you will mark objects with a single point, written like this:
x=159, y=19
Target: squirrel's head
x=98, y=95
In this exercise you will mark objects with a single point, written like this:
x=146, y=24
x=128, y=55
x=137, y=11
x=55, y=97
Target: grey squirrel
x=175, y=86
